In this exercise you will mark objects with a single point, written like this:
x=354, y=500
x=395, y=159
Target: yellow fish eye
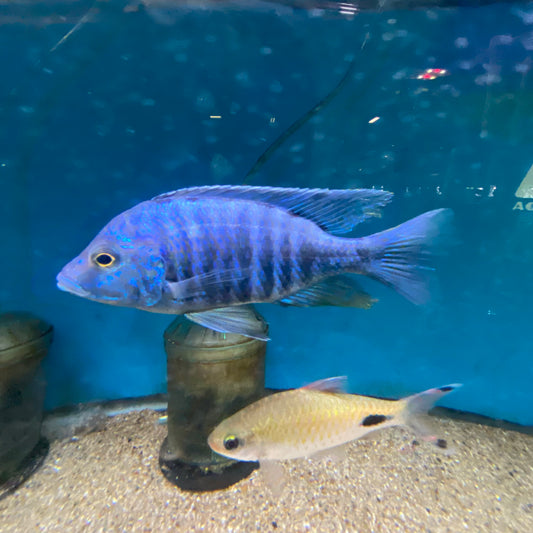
x=104, y=259
x=231, y=442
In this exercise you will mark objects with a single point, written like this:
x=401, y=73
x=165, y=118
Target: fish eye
x=231, y=442
x=104, y=259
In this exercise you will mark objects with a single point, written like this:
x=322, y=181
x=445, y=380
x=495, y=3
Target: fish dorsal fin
x=341, y=291
x=334, y=210
x=333, y=385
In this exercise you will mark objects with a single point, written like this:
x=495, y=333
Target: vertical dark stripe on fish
x=305, y=262
x=254, y=232
x=284, y=259
x=183, y=251
x=195, y=241
x=267, y=255
x=244, y=257
x=227, y=243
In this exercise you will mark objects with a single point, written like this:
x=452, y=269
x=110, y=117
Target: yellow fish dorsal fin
x=333, y=385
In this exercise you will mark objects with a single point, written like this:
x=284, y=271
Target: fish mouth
x=69, y=285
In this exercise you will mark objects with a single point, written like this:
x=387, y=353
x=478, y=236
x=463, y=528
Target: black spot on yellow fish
x=374, y=420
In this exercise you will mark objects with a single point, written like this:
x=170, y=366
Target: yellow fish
x=316, y=418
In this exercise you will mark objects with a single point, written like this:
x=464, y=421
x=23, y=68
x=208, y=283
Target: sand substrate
x=110, y=480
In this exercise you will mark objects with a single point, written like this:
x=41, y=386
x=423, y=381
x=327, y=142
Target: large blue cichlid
x=206, y=251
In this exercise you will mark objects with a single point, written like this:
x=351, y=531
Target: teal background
x=120, y=112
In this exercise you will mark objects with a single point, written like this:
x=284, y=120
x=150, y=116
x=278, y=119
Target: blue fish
x=206, y=251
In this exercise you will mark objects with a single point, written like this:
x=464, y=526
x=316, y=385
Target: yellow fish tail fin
x=417, y=407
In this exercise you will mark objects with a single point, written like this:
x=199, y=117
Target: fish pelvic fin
x=273, y=476
x=399, y=257
x=416, y=409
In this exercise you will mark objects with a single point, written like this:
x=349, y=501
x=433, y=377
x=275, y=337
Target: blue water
x=120, y=111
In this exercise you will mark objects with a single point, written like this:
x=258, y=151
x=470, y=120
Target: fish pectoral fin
x=334, y=385
x=196, y=286
x=240, y=319
x=273, y=476
x=336, y=454
x=341, y=291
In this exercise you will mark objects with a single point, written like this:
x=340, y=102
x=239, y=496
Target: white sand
x=110, y=481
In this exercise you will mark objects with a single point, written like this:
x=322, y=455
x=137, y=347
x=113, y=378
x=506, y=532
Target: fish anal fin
x=240, y=319
x=334, y=210
x=341, y=291
x=334, y=385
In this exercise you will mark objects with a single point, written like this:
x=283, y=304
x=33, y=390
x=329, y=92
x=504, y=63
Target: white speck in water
x=400, y=74
x=316, y=13
x=526, y=16
x=461, y=42
x=502, y=39
x=527, y=41
x=243, y=78
x=148, y=102
x=388, y=36
x=522, y=67
x=26, y=109
x=488, y=79
x=181, y=57
x=392, y=21
x=221, y=167
x=276, y=87
x=318, y=136
x=297, y=147
x=265, y=50
x=205, y=101
x=466, y=65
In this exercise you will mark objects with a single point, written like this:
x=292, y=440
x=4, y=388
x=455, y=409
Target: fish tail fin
x=416, y=409
x=398, y=257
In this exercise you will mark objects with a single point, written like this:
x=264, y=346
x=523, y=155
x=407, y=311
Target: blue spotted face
x=116, y=269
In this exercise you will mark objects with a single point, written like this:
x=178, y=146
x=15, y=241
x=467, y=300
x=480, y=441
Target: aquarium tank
x=106, y=104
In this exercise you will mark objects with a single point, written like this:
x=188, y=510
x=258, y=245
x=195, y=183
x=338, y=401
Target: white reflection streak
x=348, y=9
x=80, y=23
